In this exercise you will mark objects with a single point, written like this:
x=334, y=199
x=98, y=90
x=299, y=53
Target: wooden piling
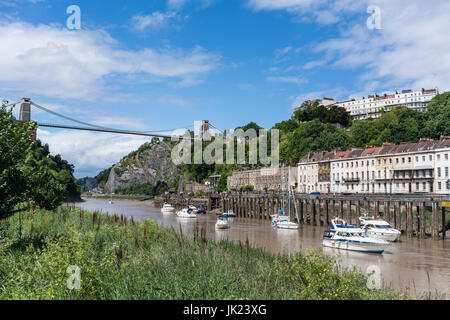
x=434, y=221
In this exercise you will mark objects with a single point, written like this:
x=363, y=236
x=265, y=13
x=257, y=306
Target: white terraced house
x=421, y=167
x=371, y=106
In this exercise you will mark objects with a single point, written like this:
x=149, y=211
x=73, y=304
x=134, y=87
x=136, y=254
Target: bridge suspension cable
x=100, y=128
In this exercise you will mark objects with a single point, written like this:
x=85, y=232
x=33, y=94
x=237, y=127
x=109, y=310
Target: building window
x=431, y=157
x=446, y=172
x=439, y=185
x=439, y=172
x=417, y=159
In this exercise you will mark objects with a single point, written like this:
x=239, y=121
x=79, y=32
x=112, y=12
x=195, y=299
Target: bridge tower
x=25, y=110
x=204, y=133
x=25, y=115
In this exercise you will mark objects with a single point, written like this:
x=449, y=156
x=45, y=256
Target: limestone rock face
x=151, y=165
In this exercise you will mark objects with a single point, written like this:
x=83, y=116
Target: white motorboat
x=284, y=224
x=193, y=209
x=379, y=229
x=348, y=237
x=186, y=213
x=222, y=223
x=167, y=208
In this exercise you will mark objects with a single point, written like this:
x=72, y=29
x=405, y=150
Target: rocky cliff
x=151, y=163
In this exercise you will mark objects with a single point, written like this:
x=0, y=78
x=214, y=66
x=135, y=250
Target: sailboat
x=281, y=221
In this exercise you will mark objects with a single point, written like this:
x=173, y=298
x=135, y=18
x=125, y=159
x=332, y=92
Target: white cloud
x=176, y=4
x=286, y=79
x=411, y=49
x=319, y=11
x=90, y=152
x=175, y=100
x=55, y=62
x=282, y=51
x=153, y=21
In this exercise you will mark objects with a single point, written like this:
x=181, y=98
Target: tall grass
x=121, y=259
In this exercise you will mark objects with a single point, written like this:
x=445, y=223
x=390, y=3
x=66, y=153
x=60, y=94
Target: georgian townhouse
x=352, y=175
x=442, y=166
x=421, y=167
x=308, y=173
x=368, y=169
x=337, y=172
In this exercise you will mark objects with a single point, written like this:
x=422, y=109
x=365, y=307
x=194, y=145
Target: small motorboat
x=186, y=213
x=193, y=209
x=348, y=237
x=379, y=229
x=201, y=211
x=222, y=223
x=229, y=214
x=167, y=208
x=284, y=224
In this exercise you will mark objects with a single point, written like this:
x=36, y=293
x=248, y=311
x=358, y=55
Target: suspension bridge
x=25, y=116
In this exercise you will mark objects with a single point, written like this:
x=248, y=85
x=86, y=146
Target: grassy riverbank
x=120, y=259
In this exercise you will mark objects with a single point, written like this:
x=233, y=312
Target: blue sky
x=152, y=65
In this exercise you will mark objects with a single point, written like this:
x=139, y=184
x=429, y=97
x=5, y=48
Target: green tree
x=437, y=117
x=15, y=145
x=28, y=172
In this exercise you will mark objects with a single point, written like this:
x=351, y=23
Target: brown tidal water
x=422, y=265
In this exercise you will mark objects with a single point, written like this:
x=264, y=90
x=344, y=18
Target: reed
x=165, y=264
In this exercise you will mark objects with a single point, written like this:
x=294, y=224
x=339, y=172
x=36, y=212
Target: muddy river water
x=422, y=265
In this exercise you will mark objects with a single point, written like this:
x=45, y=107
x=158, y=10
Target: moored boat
x=380, y=229
x=348, y=237
x=193, y=209
x=284, y=224
x=186, y=213
x=229, y=214
x=222, y=223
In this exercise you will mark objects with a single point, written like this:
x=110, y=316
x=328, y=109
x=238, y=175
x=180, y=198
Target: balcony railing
x=352, y=179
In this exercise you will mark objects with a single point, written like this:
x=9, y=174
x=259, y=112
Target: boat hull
x=355, y=246
x=222, y=226
x=289, y=225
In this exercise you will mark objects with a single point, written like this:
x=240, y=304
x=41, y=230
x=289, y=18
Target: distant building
x=263, y=179
x=371, y=107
